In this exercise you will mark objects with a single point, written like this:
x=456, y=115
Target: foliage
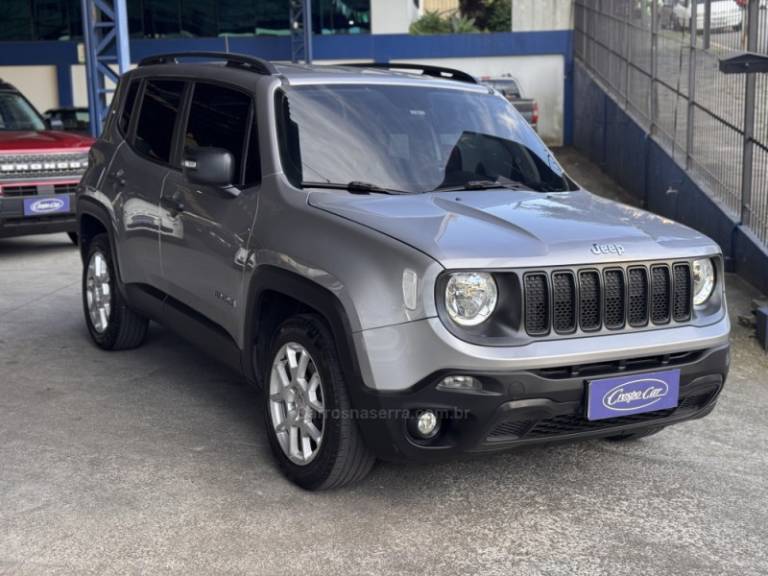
x=489, y=15
x=499, y=16
x=430, y=23
x=434, y=23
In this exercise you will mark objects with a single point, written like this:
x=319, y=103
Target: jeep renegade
x=395, y=257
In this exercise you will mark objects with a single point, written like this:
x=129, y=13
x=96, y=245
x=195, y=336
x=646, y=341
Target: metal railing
x=716, y=125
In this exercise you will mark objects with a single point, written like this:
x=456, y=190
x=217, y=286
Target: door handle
x=118, y=177
x=173, y=205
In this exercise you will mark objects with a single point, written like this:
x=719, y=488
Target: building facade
x=41, y=42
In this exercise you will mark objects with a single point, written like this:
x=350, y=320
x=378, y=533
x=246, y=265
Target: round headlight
x=470, y=297
x=703, y=281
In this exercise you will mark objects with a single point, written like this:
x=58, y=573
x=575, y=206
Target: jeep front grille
x=613, y=298
x=18, y=191
x=43, y=165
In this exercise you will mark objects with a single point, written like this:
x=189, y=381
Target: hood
x=31, y=141
x=507, y=228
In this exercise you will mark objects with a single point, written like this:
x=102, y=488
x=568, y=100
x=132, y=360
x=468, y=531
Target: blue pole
x=308, y=31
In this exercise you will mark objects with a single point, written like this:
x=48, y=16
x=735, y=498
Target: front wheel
x=307, y=409
x=111, y=323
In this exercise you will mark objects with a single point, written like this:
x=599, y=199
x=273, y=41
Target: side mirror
x=54, y=124
x=211, y=167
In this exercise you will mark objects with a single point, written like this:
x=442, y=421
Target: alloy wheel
x=98, y=292
x=296, y=403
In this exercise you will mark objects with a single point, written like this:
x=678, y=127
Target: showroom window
x=60, y=19
x=218, y=118
x=40, y=20
x=157, y=117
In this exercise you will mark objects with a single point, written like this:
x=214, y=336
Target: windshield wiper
x=355, y=187
x=484, y=185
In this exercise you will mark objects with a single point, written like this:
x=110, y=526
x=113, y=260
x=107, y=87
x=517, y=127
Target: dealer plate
x=636, y=394
x=46, y=205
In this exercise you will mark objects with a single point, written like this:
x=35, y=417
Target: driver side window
x=219, y=118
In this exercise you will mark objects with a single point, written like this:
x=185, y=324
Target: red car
x=39, y=170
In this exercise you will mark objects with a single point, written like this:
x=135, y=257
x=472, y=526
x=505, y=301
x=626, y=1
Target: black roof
x=370, y=70
x=6, y=86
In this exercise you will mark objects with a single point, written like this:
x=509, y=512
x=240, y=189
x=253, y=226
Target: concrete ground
x=155, y=461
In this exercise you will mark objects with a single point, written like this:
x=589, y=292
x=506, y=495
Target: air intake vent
x=615, y=298
x=660, y=294
x=683, y=293
x=536, y=304
x=564, y=302
x=589, y=300
x=638, y=297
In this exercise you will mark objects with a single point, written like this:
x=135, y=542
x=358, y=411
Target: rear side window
x=218, y=118
x=159, y=108
x=130, y=100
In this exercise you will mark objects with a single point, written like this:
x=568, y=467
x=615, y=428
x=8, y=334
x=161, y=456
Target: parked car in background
x=69, y=119
x=40, y=169
x=726, y=15
x=510, y=89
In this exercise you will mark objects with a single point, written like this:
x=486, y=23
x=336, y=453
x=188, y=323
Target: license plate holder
x=46, y=205
x=632, y=394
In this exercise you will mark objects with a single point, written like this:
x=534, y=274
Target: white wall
x=37, y=83
x=80, y=87
x=530, y=15
x=392, y=16
x=540, y=77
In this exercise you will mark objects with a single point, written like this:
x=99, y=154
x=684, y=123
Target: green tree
x=434, y=23
x=430, y=23
x=499, y=16
x=490, y=15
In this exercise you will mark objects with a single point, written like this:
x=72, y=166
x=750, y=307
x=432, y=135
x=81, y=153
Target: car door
x=138, y=173
x=205, y=231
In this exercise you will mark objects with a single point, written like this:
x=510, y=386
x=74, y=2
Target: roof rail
x=426, y=70
x=258, y=65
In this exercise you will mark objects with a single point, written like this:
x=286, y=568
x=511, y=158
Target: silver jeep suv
x=395, y=257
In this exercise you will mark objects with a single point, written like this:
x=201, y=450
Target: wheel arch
x=93, y=219
x=275, y=294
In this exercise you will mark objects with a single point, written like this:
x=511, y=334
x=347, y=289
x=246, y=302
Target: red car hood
x=30, y=141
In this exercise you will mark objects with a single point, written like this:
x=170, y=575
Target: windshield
x=409, y=138
x=17, y=114
x=509, y=88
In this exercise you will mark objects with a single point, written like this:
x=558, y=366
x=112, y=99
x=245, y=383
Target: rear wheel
x=630, y=436
x=73, y=237
x=111, y=323
x=313, y=438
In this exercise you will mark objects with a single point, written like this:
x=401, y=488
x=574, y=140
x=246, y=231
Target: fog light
x=460, y=383
x=427, y=424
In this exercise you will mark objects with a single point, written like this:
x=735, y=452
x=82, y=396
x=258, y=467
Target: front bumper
x=13, y=222
x=532, y=406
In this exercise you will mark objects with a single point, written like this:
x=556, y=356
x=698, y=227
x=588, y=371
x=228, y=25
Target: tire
x=340, y=457
x=73, y=237
x=632, y=436
x=122, y=328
